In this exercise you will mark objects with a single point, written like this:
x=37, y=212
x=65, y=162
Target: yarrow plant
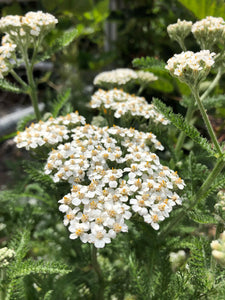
x=115, y=175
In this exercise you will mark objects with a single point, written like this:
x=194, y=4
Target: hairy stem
x=33, y=89
x=206, y=120
x=212, y=85
x=98, y=271
x=18, y=79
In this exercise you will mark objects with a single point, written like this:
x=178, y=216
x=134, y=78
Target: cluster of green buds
x=179, y=31
x=220, y=205
x=6, y=255
x=177, y=260
x=218, y=247
x=209, y=31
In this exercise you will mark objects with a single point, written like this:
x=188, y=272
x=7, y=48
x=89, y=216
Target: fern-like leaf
x=214, y=102
x=24, y=121
x=60, y=102
x=218, y=185
x=10, y=87
x=201, y=217
x=20, y=244
x=149, y=63
x=66, y=38
x=30, y=266
x=178, y=121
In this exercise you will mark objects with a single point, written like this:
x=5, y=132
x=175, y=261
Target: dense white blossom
x=6, y=52
x=121, y=103
x=209, y=31
x=116, y=77
x=113, y=175
x=191, y=67
x=33, y=23
x=146, y=77
x=51, y=132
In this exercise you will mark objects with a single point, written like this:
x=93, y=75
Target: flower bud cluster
x=113, y=175
x=191, y=67
x=177, y=259
x=116, y=77
x=220, y=205
x=209, y=31
x=48, y=133
x=6, y=52
x=33, y=23
x=218, y=247
x=179, y=30
x=5, y=255
x=121, y=103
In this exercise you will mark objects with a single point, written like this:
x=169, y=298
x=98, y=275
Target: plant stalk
x=98, y=271
x=212, y=85
x=206, y=120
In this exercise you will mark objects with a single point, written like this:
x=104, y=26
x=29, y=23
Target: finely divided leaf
x=10, y=87
x=149, y=63
x=178, y=121
x=60, y=102
x=66, y=38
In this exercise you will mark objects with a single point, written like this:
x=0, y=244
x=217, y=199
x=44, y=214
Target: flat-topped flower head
x=179, y=30
x=49, y=133
x=33, y=24
x=6, y=52
x=191, y=67
x=115, y=78
x=209, y=31
x=113, y=175
x=122, y=103
x=145, y=78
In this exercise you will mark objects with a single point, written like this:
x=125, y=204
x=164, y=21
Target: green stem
x=182, y=45
x=206, y=120
x=98, y=271
x=23, y=83
x=212, y=85
x=220, y=164
x=141, y=88
x=33, y=89
x=182, y=135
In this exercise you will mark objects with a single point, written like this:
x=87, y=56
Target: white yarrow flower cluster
x=209, y=31
x=146, y=77
x=179, y=30
x=116, y=77
x=6, y=52
x=6, y=255
x=48, y=133
x=191, y=67
x=33, y=24
x=121, y=103
x=113, y=175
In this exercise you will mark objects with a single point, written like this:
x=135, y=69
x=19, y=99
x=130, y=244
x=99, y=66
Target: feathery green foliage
x=149, y=63
x=61, y=100
x=178, y=121
x=10, y=87
x=63, y=41
x=24, y=121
